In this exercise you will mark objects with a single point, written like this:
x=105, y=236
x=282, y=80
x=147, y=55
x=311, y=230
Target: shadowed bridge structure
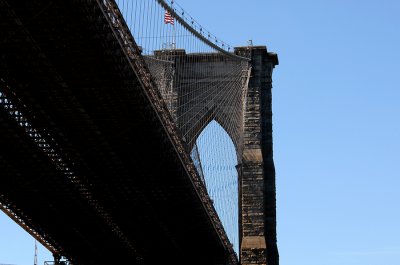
x=98, y=134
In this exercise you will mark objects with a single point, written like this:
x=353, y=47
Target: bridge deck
x=62, y=60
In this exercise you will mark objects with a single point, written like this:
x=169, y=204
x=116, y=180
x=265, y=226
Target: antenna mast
x=35, y=259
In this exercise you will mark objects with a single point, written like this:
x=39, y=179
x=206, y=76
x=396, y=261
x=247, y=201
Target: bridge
x=102, y=103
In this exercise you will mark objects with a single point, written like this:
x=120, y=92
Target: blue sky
x=336, y=125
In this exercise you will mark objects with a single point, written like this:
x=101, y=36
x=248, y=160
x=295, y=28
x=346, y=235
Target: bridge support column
x=257, y=203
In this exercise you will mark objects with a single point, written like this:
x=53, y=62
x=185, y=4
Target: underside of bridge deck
x=64, y=66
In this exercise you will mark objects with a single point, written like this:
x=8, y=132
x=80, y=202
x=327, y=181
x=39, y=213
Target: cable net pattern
x=204, y=84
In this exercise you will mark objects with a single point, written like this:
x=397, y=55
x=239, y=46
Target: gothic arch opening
x=218, y=159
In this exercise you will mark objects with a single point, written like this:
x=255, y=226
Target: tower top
x=241, y=50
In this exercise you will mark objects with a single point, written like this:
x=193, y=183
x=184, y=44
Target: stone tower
x=257, y=202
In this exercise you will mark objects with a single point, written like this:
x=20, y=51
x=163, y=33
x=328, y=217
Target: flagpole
x=174, y=36
x=173, y=25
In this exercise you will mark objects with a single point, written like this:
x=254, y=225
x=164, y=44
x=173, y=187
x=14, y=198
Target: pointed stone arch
x=221, y=177
x=194, y=116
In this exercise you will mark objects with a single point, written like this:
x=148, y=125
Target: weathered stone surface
x=257, y=174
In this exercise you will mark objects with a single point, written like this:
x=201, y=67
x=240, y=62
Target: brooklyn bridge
x=102, y=105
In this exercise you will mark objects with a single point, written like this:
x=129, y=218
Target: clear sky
x=336, y=125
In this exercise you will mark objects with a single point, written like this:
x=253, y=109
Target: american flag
x=168, y=18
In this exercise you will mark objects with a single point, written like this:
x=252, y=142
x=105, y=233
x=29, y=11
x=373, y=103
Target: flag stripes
x=168, y=19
